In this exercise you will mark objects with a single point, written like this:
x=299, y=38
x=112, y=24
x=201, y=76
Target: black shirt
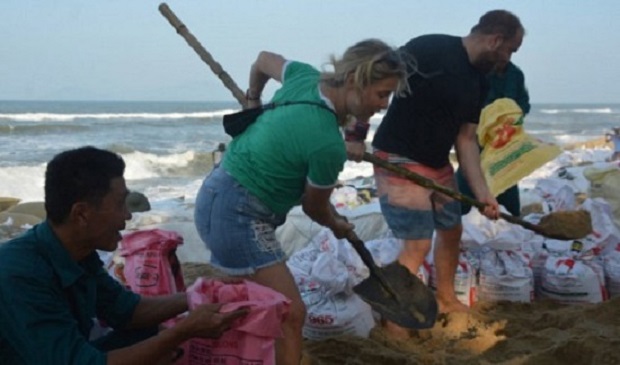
x=446, y=92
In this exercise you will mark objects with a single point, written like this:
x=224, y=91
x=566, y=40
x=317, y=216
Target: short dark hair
x=82, y=174
x=498, y=21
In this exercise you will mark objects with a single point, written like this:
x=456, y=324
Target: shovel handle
x=215, y=66
x=431, y=184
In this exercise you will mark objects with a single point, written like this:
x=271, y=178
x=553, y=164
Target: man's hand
x=491, y=208
x=355, y=150
x=207, y=321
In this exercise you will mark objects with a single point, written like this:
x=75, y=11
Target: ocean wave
x=39, y=129
x=56, y=117
x=142, y=165
x=578, y=111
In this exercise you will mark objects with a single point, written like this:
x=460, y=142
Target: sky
x=126, y=50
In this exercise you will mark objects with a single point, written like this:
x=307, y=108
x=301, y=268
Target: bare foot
x=395, y=331
x=451, y=306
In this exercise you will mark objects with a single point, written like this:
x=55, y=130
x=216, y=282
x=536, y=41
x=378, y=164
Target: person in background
x=448, y=91
x=53, y=284
x=218, y=153
x=290, y=155
x=505, y=81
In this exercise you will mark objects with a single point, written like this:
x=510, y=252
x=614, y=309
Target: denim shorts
x=236, y=226
x=411, y=211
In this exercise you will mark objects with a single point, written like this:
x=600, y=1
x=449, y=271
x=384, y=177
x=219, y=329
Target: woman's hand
x=355, y=150
x=341, y=227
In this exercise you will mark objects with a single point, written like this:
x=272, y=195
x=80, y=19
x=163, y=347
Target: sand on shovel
x=568, y=224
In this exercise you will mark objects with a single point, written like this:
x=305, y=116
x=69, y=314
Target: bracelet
x=356, y=132
x=249, y=98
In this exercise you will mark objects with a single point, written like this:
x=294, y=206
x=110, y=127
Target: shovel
x=558, y=225
x=394, y=292
x=417, y=307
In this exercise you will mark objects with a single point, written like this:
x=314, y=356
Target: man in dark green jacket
x=506, y=81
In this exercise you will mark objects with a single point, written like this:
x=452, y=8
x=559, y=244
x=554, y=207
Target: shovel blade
x=416, y=307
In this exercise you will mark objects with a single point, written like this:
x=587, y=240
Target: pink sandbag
x=151, y=264
x=251, y=339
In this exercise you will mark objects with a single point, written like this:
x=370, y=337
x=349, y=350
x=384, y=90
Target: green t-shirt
x=290, y=145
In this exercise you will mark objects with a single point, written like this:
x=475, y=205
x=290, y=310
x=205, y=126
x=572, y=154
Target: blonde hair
x=369, y=61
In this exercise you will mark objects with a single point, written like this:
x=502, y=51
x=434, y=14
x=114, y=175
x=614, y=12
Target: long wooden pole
x=203, y=53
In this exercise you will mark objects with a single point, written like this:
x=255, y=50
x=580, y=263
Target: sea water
x=168, y=146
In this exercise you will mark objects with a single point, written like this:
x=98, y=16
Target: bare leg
x=279, y=278
x=413, y=255
x=446, y=256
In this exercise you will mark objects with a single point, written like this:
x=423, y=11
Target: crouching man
x=52, y=283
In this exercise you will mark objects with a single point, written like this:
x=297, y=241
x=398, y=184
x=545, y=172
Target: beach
x=168, y=152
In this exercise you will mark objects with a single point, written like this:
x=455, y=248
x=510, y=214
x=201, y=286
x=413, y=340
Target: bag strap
x=273, y=105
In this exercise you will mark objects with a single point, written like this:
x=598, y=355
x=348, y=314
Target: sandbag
x=151, y=265
x=32, y=208
x=251, y=339
x=325, y=273
x=605, y=183
x=6, y=202
x=509, y=153
x=506, y=276
x=569, y=280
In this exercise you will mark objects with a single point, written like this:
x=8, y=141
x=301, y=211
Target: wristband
x=250, y=98
x=356, y=132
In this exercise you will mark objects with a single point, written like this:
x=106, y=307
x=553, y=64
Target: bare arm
x=317, y=206
x=468, y=154
x=267, y=66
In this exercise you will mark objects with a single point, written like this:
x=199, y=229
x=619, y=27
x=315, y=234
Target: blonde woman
x=291, y=155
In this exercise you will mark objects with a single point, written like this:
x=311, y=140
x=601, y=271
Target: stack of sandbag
x=573, y=271
x=496, y=249
x=325, y=272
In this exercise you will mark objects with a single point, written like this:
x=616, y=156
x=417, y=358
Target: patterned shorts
x=413, y=212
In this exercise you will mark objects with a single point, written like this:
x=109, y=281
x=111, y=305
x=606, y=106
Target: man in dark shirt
x=52, y=282
x=448, y=90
